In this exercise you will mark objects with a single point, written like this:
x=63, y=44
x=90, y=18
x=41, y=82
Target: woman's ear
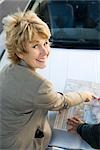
x=20, y=55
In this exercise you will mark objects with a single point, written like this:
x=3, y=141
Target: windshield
x=73, y=24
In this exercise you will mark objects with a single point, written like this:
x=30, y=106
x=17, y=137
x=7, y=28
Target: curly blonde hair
x=20, y=28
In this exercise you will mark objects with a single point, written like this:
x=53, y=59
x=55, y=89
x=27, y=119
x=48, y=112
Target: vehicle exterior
x=75, y=28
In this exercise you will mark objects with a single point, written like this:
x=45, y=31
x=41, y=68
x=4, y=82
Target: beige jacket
x=25, y=99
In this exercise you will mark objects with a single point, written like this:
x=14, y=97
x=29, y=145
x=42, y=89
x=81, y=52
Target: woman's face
x=37, y=53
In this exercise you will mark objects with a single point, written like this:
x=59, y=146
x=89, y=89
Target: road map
x=87, y=111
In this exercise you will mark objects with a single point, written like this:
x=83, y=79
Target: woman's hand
x=74, y=123
x=88, y=96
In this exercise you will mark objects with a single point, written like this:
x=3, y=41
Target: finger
x=71, y=129
x=97, y=98
x=87, y=100
x=72, y=121
x=94, y=97
x=76, y=118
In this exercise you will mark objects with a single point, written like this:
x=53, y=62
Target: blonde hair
x=20, y=28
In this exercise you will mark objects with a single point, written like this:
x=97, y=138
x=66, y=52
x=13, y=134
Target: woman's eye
x=46, y=43
x=35, y=46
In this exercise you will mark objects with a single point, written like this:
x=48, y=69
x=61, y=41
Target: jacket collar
x=23, y=63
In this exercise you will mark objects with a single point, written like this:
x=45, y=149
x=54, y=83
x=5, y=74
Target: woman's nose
x=44, y=50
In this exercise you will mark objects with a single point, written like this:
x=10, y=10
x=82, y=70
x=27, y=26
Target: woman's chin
x=43, y=66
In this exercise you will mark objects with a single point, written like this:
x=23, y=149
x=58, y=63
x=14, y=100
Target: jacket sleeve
x=47, y=98
x=90, y=133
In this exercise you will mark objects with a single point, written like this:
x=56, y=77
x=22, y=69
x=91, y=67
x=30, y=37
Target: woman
x=25, y=96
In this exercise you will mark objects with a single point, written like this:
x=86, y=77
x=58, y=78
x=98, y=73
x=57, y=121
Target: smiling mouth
x=41, y=60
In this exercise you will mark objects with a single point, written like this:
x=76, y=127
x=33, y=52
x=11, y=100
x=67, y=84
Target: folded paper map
x=89, y=112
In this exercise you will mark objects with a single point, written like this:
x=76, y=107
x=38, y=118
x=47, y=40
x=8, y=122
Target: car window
x=74, y=24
